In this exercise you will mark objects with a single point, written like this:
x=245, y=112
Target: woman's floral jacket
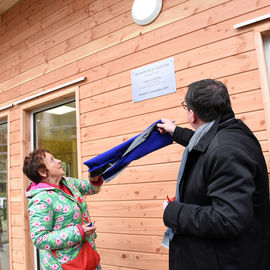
x=55, y=217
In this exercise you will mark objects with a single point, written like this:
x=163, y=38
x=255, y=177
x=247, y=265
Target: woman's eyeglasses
x=184, y=105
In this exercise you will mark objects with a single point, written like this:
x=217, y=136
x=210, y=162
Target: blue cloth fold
x=112, y=162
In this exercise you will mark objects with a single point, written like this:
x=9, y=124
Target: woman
x=59, y=220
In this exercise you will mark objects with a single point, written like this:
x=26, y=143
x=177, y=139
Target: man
x=220, y=216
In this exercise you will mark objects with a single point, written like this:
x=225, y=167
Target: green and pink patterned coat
x=56, y=218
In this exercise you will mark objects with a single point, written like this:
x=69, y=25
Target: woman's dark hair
x=33, y=163
x=208, y=99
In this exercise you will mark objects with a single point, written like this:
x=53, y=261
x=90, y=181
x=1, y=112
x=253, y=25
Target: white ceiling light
x=61, y=110
x=145, y=11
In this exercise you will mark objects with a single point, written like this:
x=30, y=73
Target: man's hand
x=166, y=126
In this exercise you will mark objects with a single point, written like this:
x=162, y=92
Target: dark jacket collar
x=220, y=122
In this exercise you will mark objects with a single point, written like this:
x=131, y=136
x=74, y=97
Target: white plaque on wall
x=153, y=80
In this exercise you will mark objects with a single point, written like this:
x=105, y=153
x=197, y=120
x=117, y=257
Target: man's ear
x=193, y=117
x=43, y=173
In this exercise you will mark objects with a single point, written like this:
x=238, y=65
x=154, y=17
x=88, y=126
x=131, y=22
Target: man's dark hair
x=33, y=163
x=208, y=99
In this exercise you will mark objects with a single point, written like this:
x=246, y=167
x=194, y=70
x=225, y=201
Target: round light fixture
x=145, y=11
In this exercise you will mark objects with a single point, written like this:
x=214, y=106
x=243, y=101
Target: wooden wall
x=44, y=43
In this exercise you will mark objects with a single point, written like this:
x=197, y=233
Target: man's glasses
x=184, y=105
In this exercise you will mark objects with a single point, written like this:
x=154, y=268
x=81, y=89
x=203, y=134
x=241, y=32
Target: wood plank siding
x=46, y=43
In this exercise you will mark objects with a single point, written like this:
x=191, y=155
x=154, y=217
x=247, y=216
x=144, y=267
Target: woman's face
x=53, y=166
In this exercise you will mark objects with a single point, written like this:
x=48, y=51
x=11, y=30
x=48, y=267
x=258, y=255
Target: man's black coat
x=222, y=218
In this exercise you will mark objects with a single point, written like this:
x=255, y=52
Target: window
x=262, y=38
x=4, y=243
x=55, y=130
x=266, y=43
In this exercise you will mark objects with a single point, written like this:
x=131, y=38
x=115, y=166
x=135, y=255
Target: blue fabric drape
x=112, y=162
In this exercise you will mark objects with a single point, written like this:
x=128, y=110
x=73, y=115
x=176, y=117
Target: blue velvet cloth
x=146, y=142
